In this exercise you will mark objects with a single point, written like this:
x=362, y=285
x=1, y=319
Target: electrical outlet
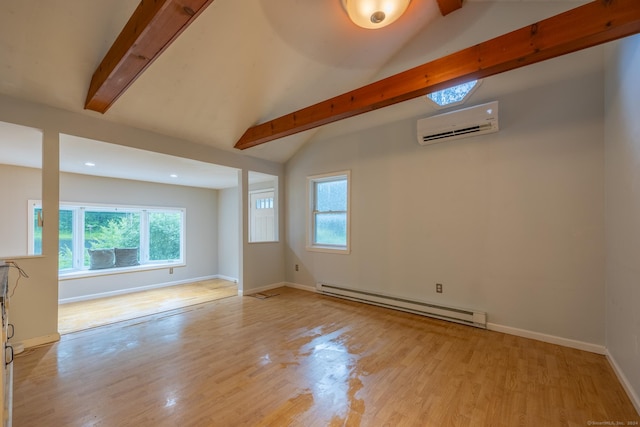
x=297, y=268
x=439, y=288
x=171, y=270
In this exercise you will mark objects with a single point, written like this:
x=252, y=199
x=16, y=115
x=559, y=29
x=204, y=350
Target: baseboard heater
x=477, y=319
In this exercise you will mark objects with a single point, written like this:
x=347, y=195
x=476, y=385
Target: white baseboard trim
x=566, y=342
x=131, y=290
x=301, y=287
x=552, y=339
x=38, y=341
x=633, y=396
x=223, y=277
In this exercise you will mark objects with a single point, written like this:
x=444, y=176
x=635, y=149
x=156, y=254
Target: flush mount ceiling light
x=374, y=14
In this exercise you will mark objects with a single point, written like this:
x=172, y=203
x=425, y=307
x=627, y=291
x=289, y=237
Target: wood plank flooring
x=82, y=315
x=303, y=359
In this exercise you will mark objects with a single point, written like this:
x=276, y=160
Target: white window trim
x=146, y=264
x=83, y=274
x=31, y=205
x=311, y=180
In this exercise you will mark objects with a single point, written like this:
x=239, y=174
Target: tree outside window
x=152, y=236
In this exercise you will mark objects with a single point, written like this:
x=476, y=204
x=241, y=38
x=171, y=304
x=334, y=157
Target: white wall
x=19, y=184
x=510, y=223
x=207, y=254
x=228, y=233
x=262, y=265
x=201, y=236
x=34, y=308
x=622, y=209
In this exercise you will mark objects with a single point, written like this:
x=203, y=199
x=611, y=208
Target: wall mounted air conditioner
x=458, y=124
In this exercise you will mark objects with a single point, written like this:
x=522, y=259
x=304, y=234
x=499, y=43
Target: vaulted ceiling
x=239, y=63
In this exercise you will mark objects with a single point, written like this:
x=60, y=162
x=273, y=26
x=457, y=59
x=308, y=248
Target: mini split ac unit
x=458, y=124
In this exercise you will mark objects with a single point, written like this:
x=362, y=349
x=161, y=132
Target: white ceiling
x=22, y=146
x=83, y=156
x=240, y=63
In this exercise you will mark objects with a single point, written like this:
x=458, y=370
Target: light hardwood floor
x=304, y=359
x=82, y=315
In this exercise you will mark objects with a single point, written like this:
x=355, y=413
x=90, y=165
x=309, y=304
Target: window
x=454, y=95
x=264, y=203
x=93, y=237
x=329, y=212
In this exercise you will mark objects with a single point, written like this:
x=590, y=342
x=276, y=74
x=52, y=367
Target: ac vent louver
x=478, y=120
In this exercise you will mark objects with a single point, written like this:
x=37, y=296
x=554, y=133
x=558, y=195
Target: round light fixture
x=374, y=14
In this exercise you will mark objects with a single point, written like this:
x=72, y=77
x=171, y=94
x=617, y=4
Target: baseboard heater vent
x=477, y=319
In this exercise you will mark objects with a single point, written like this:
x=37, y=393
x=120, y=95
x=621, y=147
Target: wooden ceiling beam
x=154, y=25
x=594, y=23
x=448, y=6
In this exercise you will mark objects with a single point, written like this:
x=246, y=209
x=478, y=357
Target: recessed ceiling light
x=173, y=175
x=90, y=164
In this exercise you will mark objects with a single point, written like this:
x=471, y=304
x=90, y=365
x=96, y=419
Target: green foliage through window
x=156, y=233
x=164, y=236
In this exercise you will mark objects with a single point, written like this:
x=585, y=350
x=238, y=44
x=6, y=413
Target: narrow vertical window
x=329, y=212
x=66, y=246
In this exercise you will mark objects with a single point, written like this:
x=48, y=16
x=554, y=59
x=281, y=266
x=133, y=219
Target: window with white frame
x=328, y=196
x=97, y=237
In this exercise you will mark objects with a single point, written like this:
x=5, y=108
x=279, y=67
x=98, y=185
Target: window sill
x=83, y=274
x=329, y=249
